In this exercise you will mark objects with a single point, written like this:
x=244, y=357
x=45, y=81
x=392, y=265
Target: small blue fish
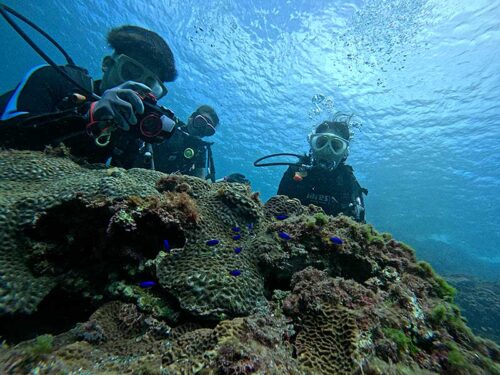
x=147, y=284
x=235, y=273
x=250, y=226
x=237, y=237
x=166, y=244
x=212, y=242
x=235, y=229
x=284, y=236
x=281, y=217
x=237, y=250
x=336, y=240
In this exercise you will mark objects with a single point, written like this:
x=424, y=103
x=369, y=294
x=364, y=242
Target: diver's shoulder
x=292, y=169
x=346, y=166
x=48, y=72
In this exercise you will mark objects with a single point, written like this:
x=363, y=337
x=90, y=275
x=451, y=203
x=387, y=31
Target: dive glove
x=120, y=104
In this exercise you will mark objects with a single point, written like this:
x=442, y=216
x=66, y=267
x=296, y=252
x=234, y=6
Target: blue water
x=422, y=78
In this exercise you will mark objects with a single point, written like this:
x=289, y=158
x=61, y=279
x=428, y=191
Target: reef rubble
x=138, y=272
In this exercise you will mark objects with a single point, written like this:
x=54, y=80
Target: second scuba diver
x=186, y=152
x=329, y=183
x=322, y=178
x=47, y=108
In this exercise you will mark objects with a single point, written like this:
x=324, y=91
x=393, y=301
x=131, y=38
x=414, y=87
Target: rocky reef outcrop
x=479, y=301
x=137, y=272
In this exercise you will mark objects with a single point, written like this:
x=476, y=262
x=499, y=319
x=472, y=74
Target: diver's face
x=201, y=125
x=328, y=148
x=119, y=69
x=110, y=77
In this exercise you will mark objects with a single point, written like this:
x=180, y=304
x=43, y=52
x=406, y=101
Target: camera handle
x=149, y=156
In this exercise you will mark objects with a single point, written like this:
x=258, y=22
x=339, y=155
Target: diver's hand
x=120, y=103
x=357, y=210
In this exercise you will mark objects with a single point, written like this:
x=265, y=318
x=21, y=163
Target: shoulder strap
x=210, y=162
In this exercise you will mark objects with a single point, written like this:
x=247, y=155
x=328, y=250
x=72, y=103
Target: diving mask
x=128, y=69
x=203, y=126
x=329, y=147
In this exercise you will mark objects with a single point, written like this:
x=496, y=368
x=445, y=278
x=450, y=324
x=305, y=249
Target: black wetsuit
x=35, y=114
x=335, y=191
x=171, y=155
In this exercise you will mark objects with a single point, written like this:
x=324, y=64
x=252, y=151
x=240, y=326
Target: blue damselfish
x=147, y=284
x=166, y=244
x=336, y=240
x=284, y=236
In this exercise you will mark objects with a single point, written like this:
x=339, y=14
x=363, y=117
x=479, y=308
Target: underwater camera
x=154, y=126
x=157, y=123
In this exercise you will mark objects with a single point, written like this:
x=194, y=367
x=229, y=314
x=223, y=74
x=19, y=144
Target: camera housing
x=157, y=123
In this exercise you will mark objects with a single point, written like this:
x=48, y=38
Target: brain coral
x=326, y=344
x=200, y=275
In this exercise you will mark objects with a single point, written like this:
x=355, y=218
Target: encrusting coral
x=187, y=277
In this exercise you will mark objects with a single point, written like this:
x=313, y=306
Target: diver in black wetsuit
x=186, y=152
x=46, y=108
x=329, y=183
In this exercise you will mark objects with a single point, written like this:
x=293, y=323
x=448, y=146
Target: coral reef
x=187, y=277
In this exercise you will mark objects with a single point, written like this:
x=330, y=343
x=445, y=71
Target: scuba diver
x=322, y=178
x=186, y=152
x=100, y=121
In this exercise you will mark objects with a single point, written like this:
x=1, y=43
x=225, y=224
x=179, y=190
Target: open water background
x=421, y=76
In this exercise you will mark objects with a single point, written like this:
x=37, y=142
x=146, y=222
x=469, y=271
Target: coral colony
x=88, y=240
